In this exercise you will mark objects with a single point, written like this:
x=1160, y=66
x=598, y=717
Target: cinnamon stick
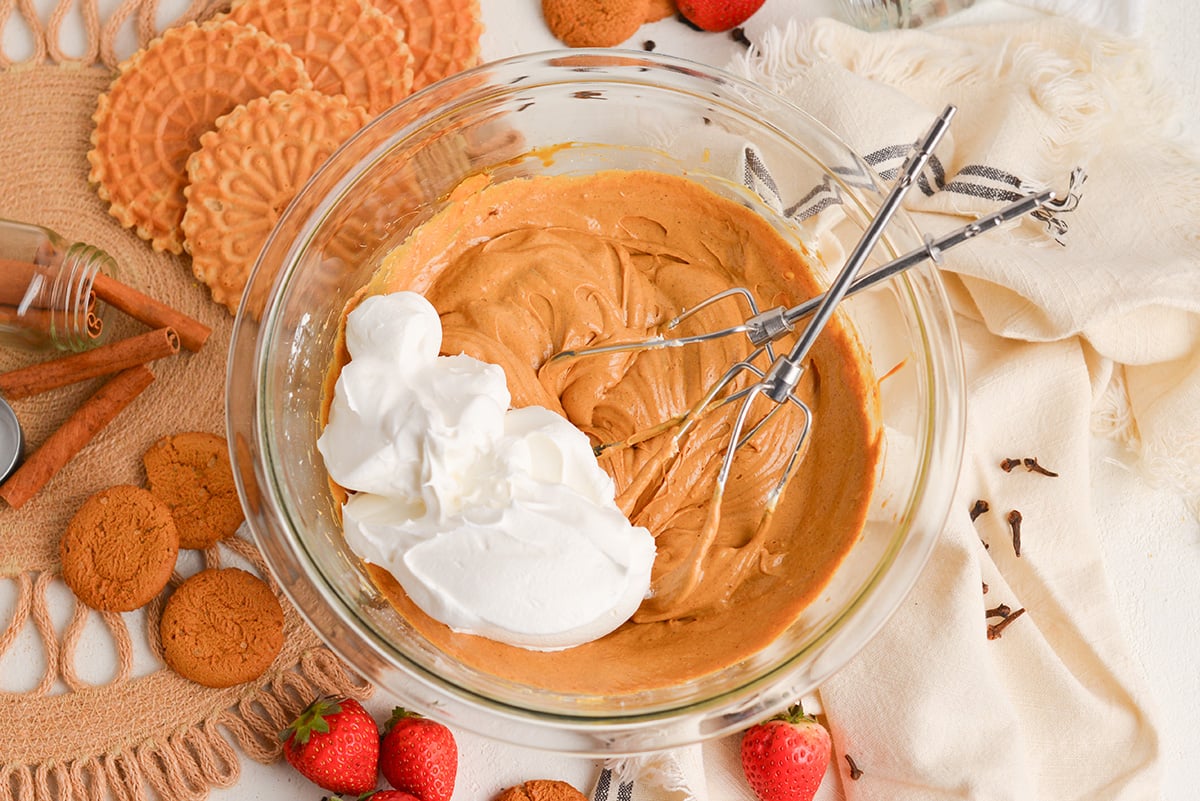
x=31, y=319
x=15, y=278
x=102, y=360
x=95, y=326
x=156, y=314
x=75, y=433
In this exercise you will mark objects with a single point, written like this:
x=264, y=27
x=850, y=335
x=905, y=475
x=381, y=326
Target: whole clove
x=739, y=35
x=1002, y=611
x=855, y=770
x=1014, y=522
x=994, y=630
x=980, y=507
x=1031, y=464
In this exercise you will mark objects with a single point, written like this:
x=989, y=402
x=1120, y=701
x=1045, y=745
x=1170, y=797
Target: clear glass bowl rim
x=605, y=735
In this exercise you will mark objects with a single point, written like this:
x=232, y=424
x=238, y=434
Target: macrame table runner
x=138, y=730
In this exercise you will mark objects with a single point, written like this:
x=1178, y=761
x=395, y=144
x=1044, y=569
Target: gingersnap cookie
x=349, y=47
x=659, y=9
x=442, y=34
x=192, y=475
x=221, y=627
x=542, y=790
x=119, y=549
x=593, y=23
x=246, y=172
x=162, y=100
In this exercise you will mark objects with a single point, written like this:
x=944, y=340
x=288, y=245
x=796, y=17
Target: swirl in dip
x=525, y=268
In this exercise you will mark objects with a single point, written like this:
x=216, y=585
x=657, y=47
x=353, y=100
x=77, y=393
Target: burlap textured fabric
x=90, y=709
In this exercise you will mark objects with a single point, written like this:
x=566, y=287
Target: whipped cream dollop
x=495, y=521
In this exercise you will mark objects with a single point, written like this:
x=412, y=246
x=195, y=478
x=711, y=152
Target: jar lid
x=12, y=441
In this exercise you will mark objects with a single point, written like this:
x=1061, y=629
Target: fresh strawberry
x=718, y=15
x=784, y=758
x=419, y=756
x=380, y=795
x=335, y=744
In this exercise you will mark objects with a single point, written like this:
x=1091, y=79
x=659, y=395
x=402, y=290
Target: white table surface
x=1151, y=539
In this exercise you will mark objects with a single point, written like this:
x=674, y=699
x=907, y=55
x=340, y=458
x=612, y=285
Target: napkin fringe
x=1112, y=415
x=1082, y=81
x=1061, y=68
x=882, y=57
x=660, y=771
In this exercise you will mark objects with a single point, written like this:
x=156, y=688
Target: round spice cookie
x=221, y=627
x=442, y=34
x=593, y=23
x=659, y=9
x=163, y=98
x=542, y=790
x=246, y=172
x=119, y=549
x=348, y=47
x=192, y=475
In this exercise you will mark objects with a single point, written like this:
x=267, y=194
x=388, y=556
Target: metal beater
x=777, y=383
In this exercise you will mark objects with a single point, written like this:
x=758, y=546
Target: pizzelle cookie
x=119, y=549
x=163, y=99
x=192, y=475
x=442, y=34
x=245, y=173
x=221, y=627
x=348, y=47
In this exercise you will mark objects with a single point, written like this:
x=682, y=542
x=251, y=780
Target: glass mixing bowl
x=573, y=113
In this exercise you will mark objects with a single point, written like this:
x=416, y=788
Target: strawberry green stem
x=794, y=714
x=399, y=713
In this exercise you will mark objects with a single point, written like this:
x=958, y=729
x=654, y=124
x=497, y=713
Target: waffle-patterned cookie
x=246, y=172
x=349, y=47
x=442, y=34
x=163, y=99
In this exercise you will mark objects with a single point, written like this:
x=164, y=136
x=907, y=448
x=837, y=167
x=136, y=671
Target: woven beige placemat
x=140, y=730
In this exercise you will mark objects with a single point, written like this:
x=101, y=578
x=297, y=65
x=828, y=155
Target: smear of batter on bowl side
x=524, y=268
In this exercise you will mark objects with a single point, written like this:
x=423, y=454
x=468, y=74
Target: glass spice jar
x=882, y=15
x=46, y=297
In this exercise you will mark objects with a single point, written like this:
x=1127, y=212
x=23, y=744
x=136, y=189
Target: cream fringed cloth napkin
x=1036, y=100
x=1099, y=331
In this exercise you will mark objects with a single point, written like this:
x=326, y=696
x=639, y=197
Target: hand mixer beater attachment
x=776, y=383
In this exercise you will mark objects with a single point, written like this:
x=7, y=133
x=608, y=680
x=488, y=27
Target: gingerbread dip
x=525, y=268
